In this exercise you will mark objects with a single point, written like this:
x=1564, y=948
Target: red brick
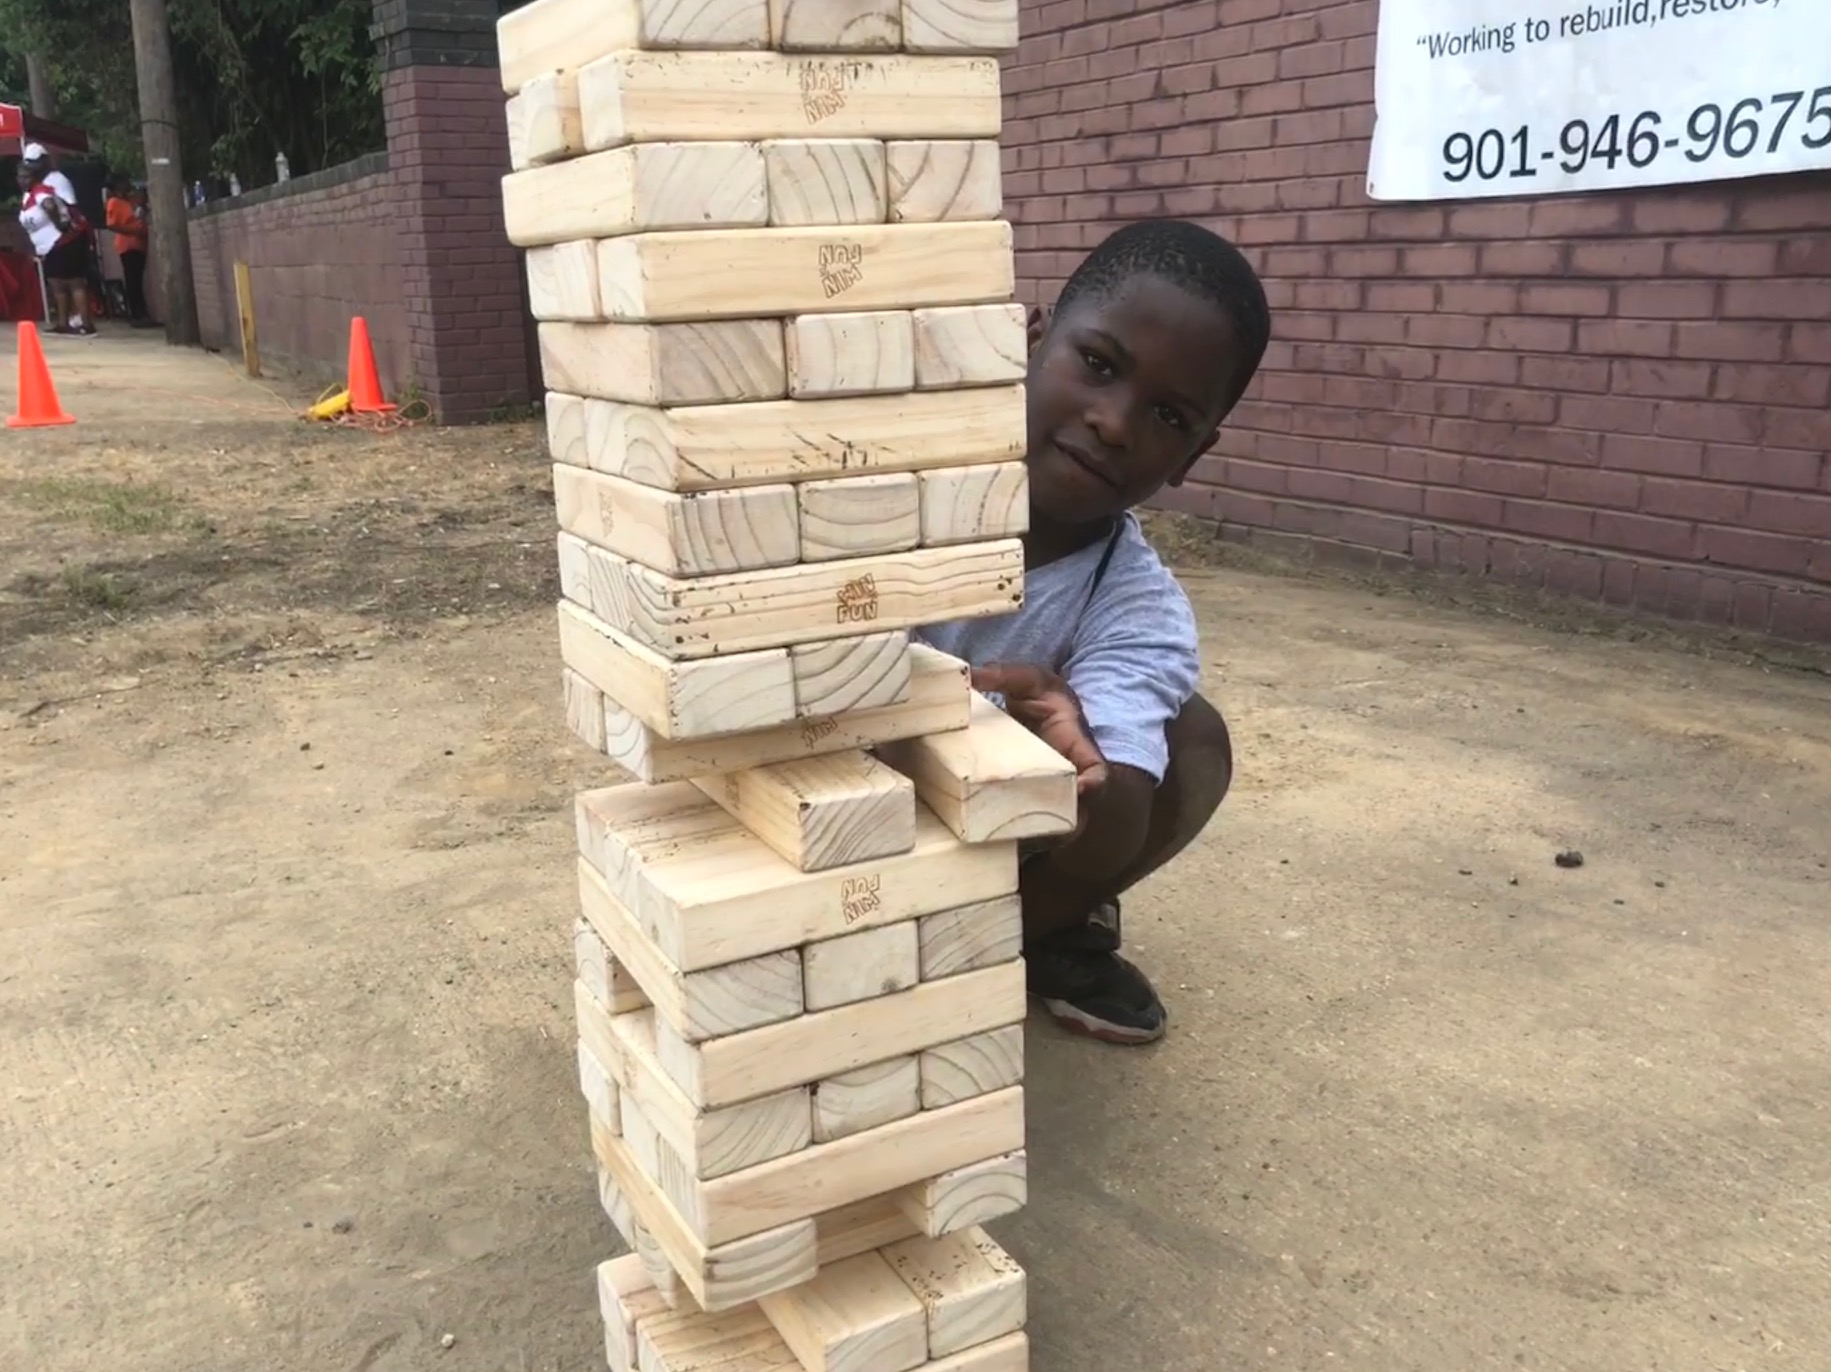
x=1791, y=513
x=1590, y=374
x=1666, y=456
x=1568, y=572
x=1628, y=257
x=1564, y=300
x=1592, y=486
x=1764, y=467
x=1756, y=551
x=1777, y=299
x=1666, y=299
x=1724, y=257
x=1708, y=501
x=1624, y=336
x=1730, y=341
x=1565, y=523
x=1802, y=615
x=1803, y=386
x=1637, y=533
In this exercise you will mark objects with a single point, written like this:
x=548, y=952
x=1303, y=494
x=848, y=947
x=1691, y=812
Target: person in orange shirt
x=127, y=218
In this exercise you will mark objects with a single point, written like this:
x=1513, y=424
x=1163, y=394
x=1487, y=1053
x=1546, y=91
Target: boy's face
x=1124, y=393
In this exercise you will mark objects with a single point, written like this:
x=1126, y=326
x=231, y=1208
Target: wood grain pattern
x=601, y=974
x=960, y=25
x=561, y=35
x=626, y=1296
x=544, y=122
x=718, y=25
x=699, y=617
x=972, y=1066
x=835, y=25
x=825, y=1043
x=714, y=695
x=574, y=565
x=708, y=892
x=974, y=504
x=975, y=1194
x=822, y=812
x=563, y=281
x=863, y=673
x=826, y=181
x=723, y=273
x=992, y=780
x=855, y=967
x=625, y=190
x=937, y=700
x=973, y=936
x=971, y=1289
x=855, y=1316
x=702, y=363
x=584, y=708
x=857, y=516
x=869, y=352
x=739, y=1340
x=706, y=447
x=946, y=179
x=970, y=345
x=595, y=1085
x=853, y=1102
x=692, y=534
x=638, y=97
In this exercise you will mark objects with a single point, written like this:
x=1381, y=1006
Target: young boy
x=1152, y=343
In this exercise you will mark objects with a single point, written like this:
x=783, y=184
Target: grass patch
x=112, y=507
x=97, y=590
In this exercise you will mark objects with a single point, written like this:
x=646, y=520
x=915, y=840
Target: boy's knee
x=1201, y=757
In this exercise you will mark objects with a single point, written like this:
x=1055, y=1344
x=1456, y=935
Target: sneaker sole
x=1078, y=1021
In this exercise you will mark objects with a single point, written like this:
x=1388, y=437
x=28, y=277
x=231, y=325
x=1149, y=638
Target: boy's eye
x=1172, y=417
x=1096, y=364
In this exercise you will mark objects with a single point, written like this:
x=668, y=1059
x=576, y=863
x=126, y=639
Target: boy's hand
x=1045, y=704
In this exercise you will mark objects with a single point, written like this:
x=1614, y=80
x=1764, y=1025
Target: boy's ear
x=1201, y=448
x=1038, y=324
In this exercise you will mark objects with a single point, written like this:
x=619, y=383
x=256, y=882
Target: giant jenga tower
x=785, y=406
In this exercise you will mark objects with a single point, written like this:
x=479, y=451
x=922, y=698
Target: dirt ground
x=285, y=900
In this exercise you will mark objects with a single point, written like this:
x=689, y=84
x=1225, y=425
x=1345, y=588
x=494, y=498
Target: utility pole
x=44, y=94
x=171, y=230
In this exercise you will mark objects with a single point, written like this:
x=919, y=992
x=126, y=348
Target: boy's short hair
x=1198, y=261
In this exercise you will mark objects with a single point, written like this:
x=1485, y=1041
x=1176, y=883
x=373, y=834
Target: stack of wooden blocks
x=784, y=373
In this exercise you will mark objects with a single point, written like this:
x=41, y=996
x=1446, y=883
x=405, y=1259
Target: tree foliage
x=254, y=78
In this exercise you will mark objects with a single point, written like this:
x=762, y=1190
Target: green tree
x=254, y=78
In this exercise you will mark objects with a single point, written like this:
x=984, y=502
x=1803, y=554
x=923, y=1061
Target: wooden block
x=566, y=443
x=544, y=123
x=725, y=1275
x=595, y=1085
x=649, y=186
x=973, y=1066
x=617, y=1209
x=563, y=35
x=827, y=1175
x=694, y=533
x=1009, y=1354
x=584, y=708
x=855, y=1316
x=660, y=1271
x=863, y=673
x=975, y=1194
x=992, y=780
x=626, y=1297
x=970, y=345
x=637, y=97
x=826, y=181
x=601, y=974
x=851, y=354
x=677, y=699
x=835, y=25
x=740, y=1340
x=824, y=811
x=974, y=936
x=959, y=25
x=975, y=504
x=733, y=273
x=862, y=1227
x=702, y=447
x=867, y=1098
x=971, y=1290
x=709, y=892
x=857, y=516
x=666, y=364
x=826, y=1043
x=854, y=967
x=563, y=282
x=932, y=180
x=695, y=1005
x=742, y=612
x=708, y=1143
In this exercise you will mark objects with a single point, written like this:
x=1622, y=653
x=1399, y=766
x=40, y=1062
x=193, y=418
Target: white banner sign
x=1530, y=97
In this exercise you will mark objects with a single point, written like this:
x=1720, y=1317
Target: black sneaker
x=1085, y=984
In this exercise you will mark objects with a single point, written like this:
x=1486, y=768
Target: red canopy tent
x=21, y=290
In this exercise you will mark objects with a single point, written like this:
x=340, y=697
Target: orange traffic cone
x=365, y=381
x=38, y=407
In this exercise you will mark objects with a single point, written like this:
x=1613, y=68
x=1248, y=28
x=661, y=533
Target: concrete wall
x=412, y=238
x=1625, y=396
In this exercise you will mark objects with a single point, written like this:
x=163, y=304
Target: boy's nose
x=1108, y=416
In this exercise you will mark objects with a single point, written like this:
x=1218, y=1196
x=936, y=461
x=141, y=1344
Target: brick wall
x=1625, y=396
x=412, y=239
x=319, y=250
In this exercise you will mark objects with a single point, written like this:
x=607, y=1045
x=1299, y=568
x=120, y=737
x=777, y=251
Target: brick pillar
x=448, y=149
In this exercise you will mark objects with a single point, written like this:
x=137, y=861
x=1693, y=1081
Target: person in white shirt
x=53, y=227
x=38, y=158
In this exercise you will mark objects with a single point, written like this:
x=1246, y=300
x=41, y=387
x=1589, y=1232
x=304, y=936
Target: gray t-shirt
x=1130, y=651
